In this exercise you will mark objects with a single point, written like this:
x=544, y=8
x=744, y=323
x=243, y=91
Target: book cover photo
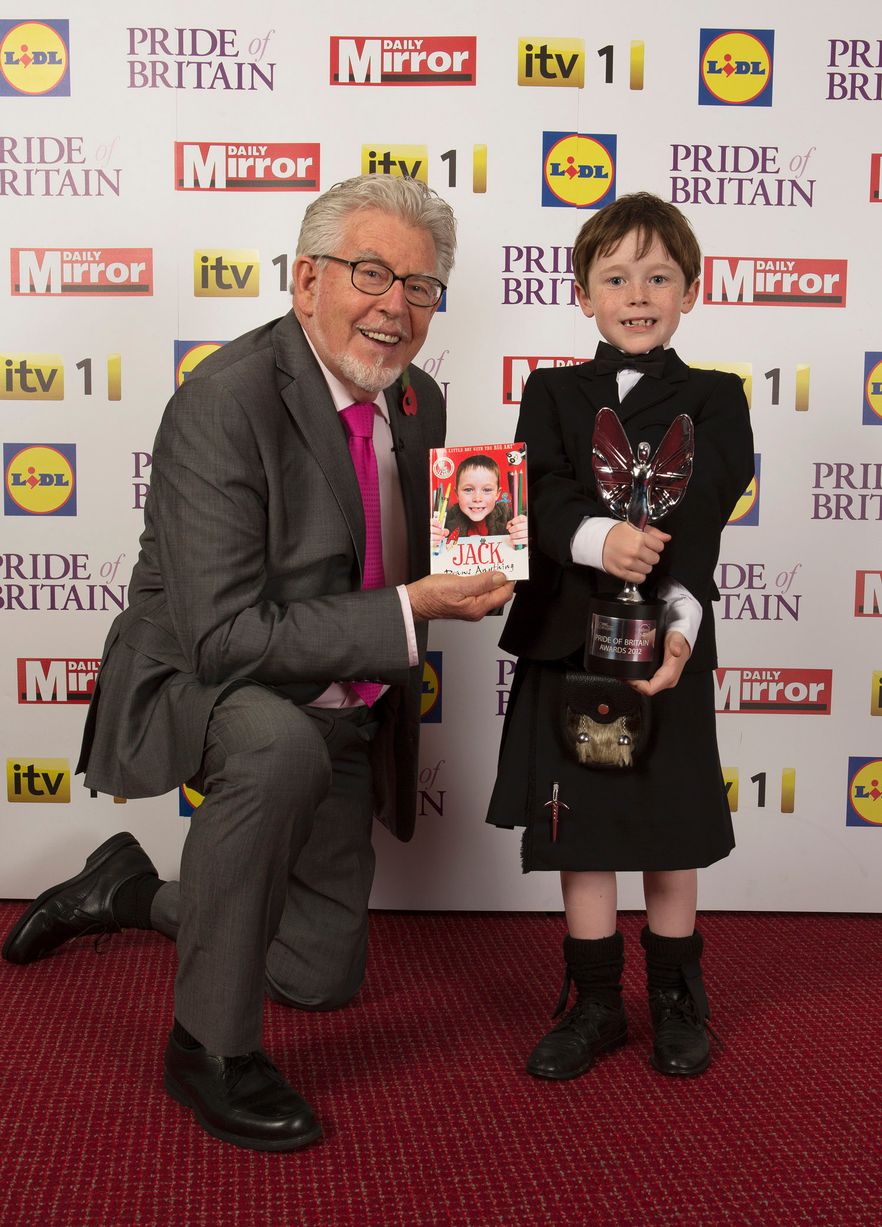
x=478, y=509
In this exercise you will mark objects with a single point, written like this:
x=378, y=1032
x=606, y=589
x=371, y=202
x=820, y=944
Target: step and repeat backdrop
x=155, y=162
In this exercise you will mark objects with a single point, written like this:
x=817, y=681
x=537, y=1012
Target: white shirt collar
x=341, y=398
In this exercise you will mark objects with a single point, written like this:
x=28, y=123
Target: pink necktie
x=358, y=420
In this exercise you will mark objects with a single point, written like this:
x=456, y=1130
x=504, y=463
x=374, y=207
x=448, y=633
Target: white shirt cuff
x=682, y=611
x=588, y=540
x=410, y=629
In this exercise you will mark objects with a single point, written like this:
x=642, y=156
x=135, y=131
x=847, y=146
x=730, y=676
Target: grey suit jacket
x=250, y=569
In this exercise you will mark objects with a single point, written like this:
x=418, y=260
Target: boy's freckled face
x=477, y=492
x=636, y=302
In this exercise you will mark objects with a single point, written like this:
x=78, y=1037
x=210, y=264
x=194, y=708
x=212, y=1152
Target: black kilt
x=668, y=811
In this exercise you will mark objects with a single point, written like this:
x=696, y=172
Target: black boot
x=596, y=1023
x=677, y=1003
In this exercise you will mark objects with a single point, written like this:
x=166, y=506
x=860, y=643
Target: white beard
x=370, y=378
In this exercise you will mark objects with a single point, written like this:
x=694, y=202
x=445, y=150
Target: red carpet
x=429, y=1117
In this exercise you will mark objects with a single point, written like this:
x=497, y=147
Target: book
x=478, y=509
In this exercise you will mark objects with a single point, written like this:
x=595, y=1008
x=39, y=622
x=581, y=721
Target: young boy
x=636, y=264
x=478, y=510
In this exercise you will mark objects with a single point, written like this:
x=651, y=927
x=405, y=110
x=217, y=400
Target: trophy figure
x=625, y=632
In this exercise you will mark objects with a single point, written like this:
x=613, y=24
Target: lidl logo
x=736, y=68
x=115, y=272
x=222, y=273
x=578, y=170
x=188, y=800
x=388, y=60
x=747, y=508
x=864, y=793
x=31, y=377
x=34, y=58
x=202, y=166
x=551, y=61
x=38, y=779
x=188, y=355
x=430, y=699
x=61, y=680
x=746, y=281
x=516, y=370
x=872, y=389
x=405, y=161
x=40, y=479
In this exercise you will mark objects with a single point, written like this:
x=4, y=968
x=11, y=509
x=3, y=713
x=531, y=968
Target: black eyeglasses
x=371, y=277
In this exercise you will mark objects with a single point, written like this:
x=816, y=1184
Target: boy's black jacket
x=549, y=613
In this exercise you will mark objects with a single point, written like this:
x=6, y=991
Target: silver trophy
x=624, y=633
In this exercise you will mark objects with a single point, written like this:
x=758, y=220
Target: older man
x=271, y=653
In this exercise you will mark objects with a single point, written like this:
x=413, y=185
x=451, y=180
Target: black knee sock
x=596, y=967
x=131, y=903
x=667, y=957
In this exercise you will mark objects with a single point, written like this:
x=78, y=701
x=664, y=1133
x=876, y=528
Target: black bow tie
x=608, y=361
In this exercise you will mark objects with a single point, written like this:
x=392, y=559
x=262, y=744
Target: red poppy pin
x=408, y=399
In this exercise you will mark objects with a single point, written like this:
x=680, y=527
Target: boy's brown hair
x=477, y=462
x=653, y=218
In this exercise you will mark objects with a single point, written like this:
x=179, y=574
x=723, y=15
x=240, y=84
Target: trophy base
x=623, y=639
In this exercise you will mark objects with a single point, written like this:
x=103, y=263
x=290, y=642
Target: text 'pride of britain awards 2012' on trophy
x=624, y=633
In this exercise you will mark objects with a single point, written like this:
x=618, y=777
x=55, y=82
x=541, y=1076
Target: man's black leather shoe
x=569, y=1049
x=682, y=1044
x=243, y=1100
x=83, y=904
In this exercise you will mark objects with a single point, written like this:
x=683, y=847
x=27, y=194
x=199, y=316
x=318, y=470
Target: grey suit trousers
x=276, y=869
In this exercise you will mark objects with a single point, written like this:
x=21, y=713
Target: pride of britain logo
x=578, y=170
x=735, y=68
x=34, y=58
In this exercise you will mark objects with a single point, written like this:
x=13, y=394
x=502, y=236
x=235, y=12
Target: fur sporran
x=605, y=721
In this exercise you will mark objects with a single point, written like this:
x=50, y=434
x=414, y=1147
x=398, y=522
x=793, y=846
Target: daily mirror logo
x=34, y=59
x=773, y=690
x=56, y=680
x=376, y=60
x=517, y=368
x=108, y=272
x=868, y=594
x=736, y=68
x=201, y=166
x=744, y=281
